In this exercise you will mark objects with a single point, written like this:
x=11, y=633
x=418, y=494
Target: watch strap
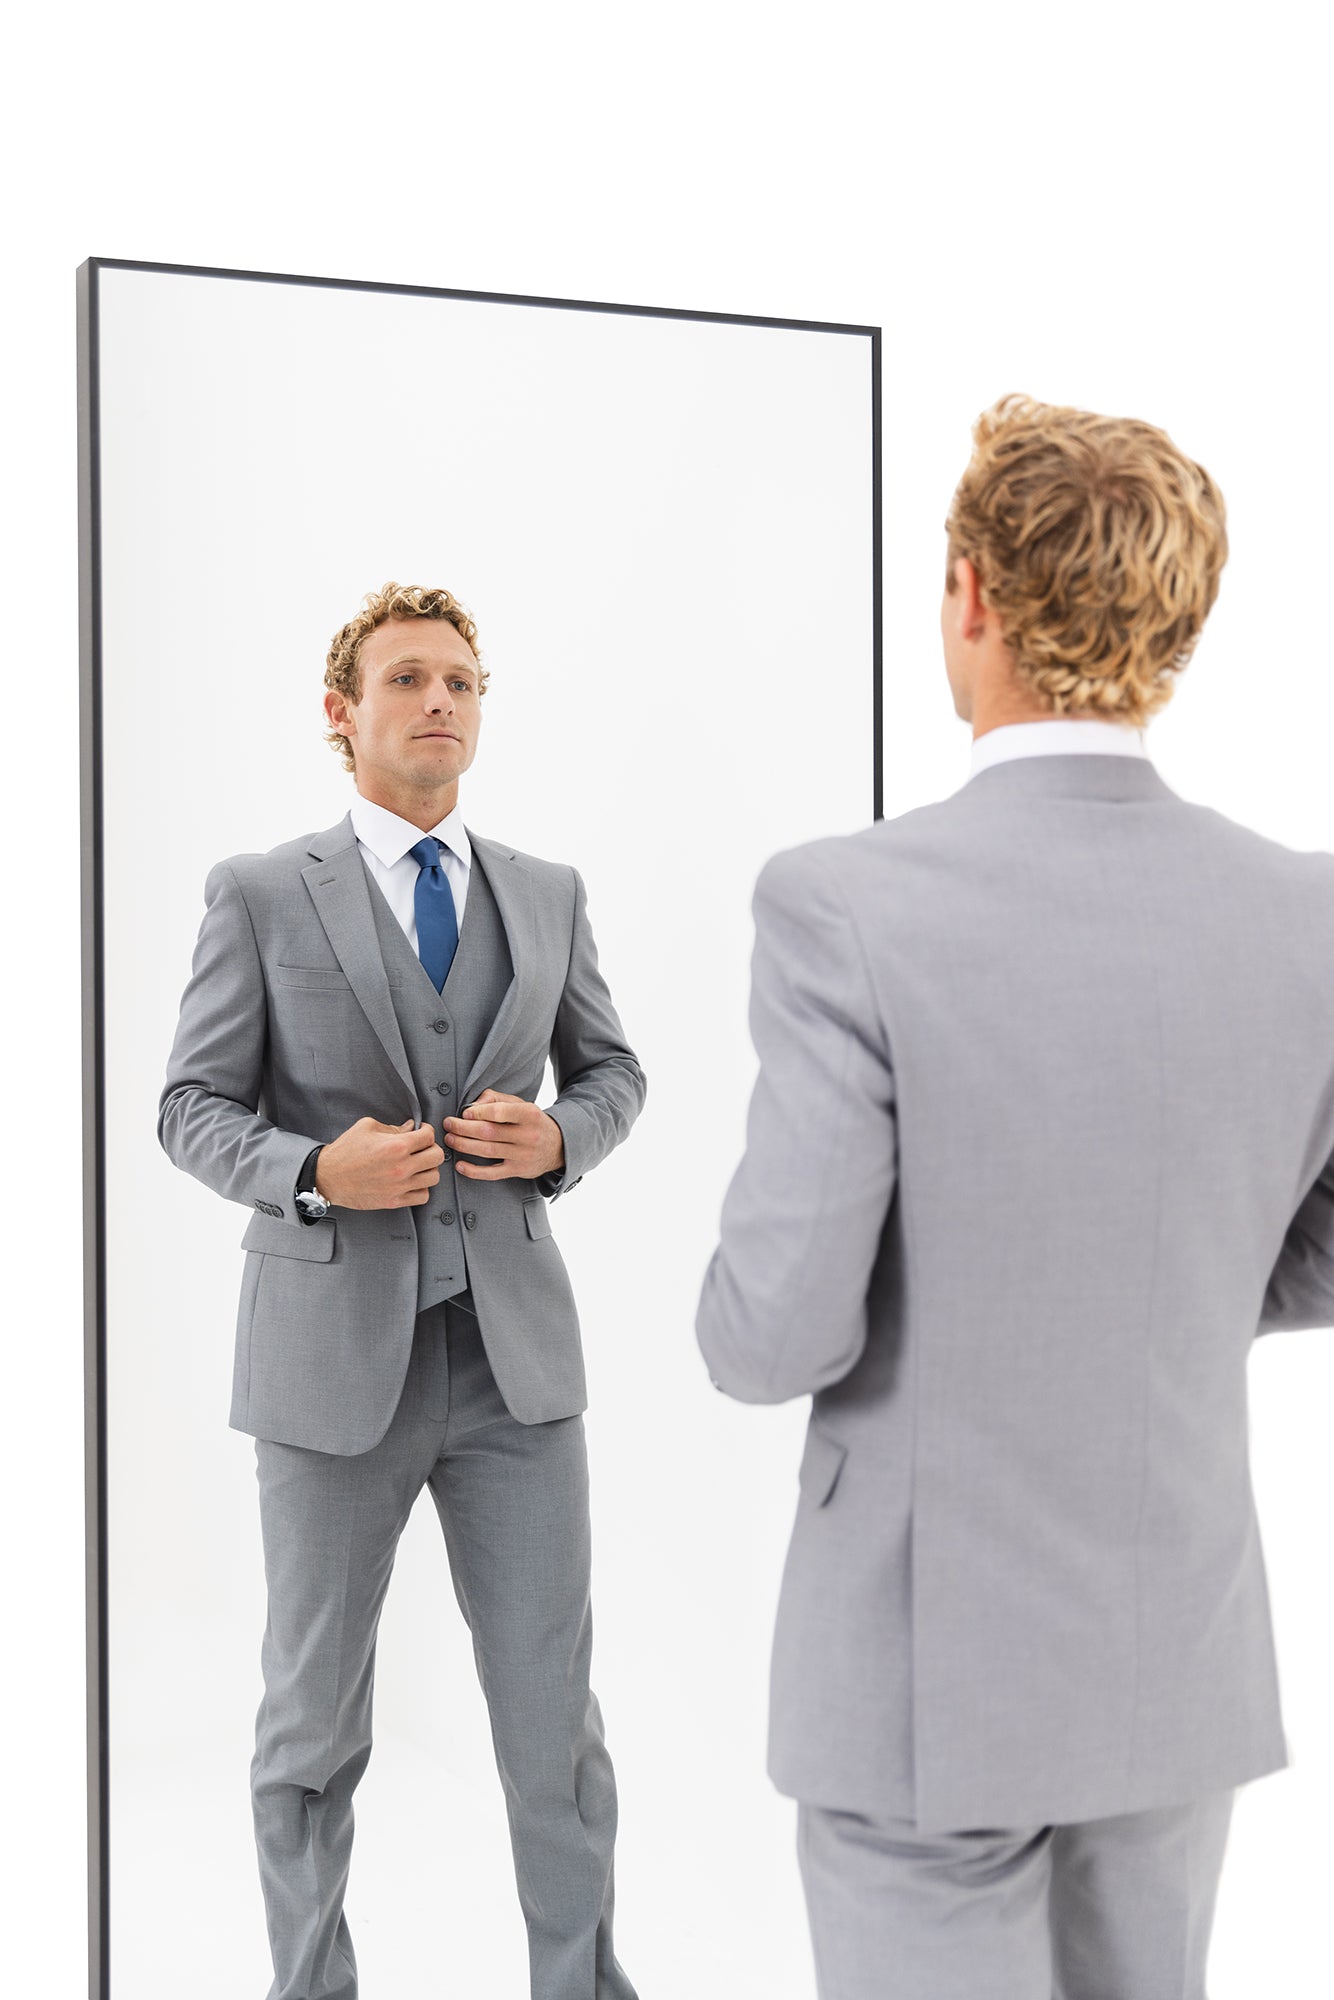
x=305, y=1180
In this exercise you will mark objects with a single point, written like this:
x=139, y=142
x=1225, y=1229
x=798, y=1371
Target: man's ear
x=338, y=711
x=969, y=610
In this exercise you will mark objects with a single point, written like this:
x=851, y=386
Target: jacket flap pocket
x=536, y=1216
x=313, y=1241
x=821, y=1463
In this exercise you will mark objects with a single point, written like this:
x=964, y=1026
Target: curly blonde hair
x=396, y=600
x=1099, y=545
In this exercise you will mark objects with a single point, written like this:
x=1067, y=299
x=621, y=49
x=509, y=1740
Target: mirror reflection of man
x=359, y=1049
x=1071, y=1040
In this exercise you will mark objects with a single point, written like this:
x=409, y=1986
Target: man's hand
x=517, y=1138
x=373, y=1165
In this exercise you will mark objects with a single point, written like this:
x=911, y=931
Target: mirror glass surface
x=663, y=527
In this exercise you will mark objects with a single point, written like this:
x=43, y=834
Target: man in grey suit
x=369, y=1004
x=1043, y=1134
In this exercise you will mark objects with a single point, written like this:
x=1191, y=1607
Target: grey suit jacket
x=1041, y=1138
x=241, y=1109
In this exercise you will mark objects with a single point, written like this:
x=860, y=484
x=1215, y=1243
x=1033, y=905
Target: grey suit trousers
x=1102, y=1909
x=513, y=1503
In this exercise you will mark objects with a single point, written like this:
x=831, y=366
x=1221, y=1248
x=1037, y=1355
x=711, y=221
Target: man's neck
x=994, y=710
x=423, y=809
x=1000, y=695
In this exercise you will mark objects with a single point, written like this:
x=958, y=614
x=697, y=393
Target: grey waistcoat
x=442, y=1033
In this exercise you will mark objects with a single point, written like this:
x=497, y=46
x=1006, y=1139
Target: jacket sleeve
x=210, y=1120
x=600, y=1085
x=783, y=1307
x=1301, y=1285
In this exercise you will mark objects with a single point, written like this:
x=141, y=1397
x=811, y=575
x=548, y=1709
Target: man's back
x=1042, y=1136
x=1025, y=1581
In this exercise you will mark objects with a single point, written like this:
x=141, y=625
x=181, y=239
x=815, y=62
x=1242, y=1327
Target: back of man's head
x=1098, y=544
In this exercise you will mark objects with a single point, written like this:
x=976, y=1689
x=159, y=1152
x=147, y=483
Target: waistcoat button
x=441, y=1027
x=448, y=1215
x=444, y=1088
x=470, y=1218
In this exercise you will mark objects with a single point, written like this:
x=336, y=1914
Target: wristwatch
x=311, y=1205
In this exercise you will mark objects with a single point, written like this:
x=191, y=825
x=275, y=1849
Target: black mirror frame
x=91, y=933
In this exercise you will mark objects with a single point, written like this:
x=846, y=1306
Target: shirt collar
x=1063, y=736
x=389, y=837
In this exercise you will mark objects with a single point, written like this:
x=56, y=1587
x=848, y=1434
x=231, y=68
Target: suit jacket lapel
x=341, y=893
x=512, y=886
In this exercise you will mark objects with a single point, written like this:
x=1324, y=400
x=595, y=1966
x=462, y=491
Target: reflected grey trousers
x=1102, y=1909
x=513, y=1503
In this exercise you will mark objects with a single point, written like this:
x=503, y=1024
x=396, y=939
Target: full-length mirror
x=663, y=526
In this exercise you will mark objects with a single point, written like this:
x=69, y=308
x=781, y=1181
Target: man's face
x=416, y=725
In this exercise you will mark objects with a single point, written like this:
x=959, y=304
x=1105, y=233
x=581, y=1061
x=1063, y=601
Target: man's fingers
x=427, y=1160
x=424, y=1136
x=485, y=1140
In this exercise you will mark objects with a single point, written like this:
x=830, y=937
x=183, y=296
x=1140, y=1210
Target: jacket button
x=448, y=1215
x=441, y=1027
x=470, y=1218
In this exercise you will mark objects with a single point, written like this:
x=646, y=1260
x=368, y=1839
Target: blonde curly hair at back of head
x=395, y=600
x=1099, y=545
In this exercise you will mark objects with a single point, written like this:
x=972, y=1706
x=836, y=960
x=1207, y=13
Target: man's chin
x=418, y=775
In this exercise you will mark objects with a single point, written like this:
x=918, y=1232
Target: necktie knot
x=426, y=853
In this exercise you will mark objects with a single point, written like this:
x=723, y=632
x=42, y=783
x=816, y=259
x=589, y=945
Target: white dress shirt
x=384, y=840
x=1061, y=737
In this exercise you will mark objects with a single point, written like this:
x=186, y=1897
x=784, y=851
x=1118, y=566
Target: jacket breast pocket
x=536, y=1216
x=313, y=1242
x=329, y=977
x=821, y=1463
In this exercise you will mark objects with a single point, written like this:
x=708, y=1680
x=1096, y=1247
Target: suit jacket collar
x=1069, y=777
x=341, y=891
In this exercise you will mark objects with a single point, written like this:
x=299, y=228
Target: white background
x=1126, y=209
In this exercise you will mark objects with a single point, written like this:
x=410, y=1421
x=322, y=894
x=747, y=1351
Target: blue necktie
x=437, y=920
